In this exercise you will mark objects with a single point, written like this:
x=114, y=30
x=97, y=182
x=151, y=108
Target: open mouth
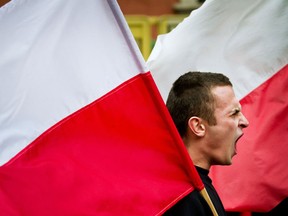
x=239, y=138
x=235, y=145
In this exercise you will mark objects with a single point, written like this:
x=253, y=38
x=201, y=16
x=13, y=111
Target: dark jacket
x=194, y=204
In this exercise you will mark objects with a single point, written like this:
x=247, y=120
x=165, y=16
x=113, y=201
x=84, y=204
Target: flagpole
x=206, y=196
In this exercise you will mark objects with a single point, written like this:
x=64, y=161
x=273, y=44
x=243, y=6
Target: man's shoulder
x=192, y=204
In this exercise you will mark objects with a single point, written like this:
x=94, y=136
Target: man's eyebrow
x=236, y=109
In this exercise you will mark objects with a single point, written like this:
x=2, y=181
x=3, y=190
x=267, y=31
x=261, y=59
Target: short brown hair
x=191, y=95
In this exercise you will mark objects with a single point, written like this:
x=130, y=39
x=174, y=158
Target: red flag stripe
x=263, y=164
x=100, y=160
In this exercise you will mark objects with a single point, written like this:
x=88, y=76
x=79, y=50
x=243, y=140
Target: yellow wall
x=146, y=28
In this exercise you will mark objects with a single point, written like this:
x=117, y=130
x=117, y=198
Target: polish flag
x=247, y=41
x=83, y=128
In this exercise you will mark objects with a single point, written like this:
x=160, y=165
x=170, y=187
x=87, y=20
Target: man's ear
x=196, y=126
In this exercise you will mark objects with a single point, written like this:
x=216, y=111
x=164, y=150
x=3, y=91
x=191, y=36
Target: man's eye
x=236, y=112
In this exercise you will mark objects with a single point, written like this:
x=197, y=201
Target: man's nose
x=243, y=121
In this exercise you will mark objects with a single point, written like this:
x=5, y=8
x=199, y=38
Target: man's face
x=222, y=137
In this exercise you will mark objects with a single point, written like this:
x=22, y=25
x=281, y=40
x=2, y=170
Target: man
x=208, y=117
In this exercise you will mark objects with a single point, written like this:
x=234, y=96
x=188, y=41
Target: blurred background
x=149, y=18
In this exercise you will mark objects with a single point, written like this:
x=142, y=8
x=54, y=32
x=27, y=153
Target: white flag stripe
x=227, y=41
x=35, y=67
